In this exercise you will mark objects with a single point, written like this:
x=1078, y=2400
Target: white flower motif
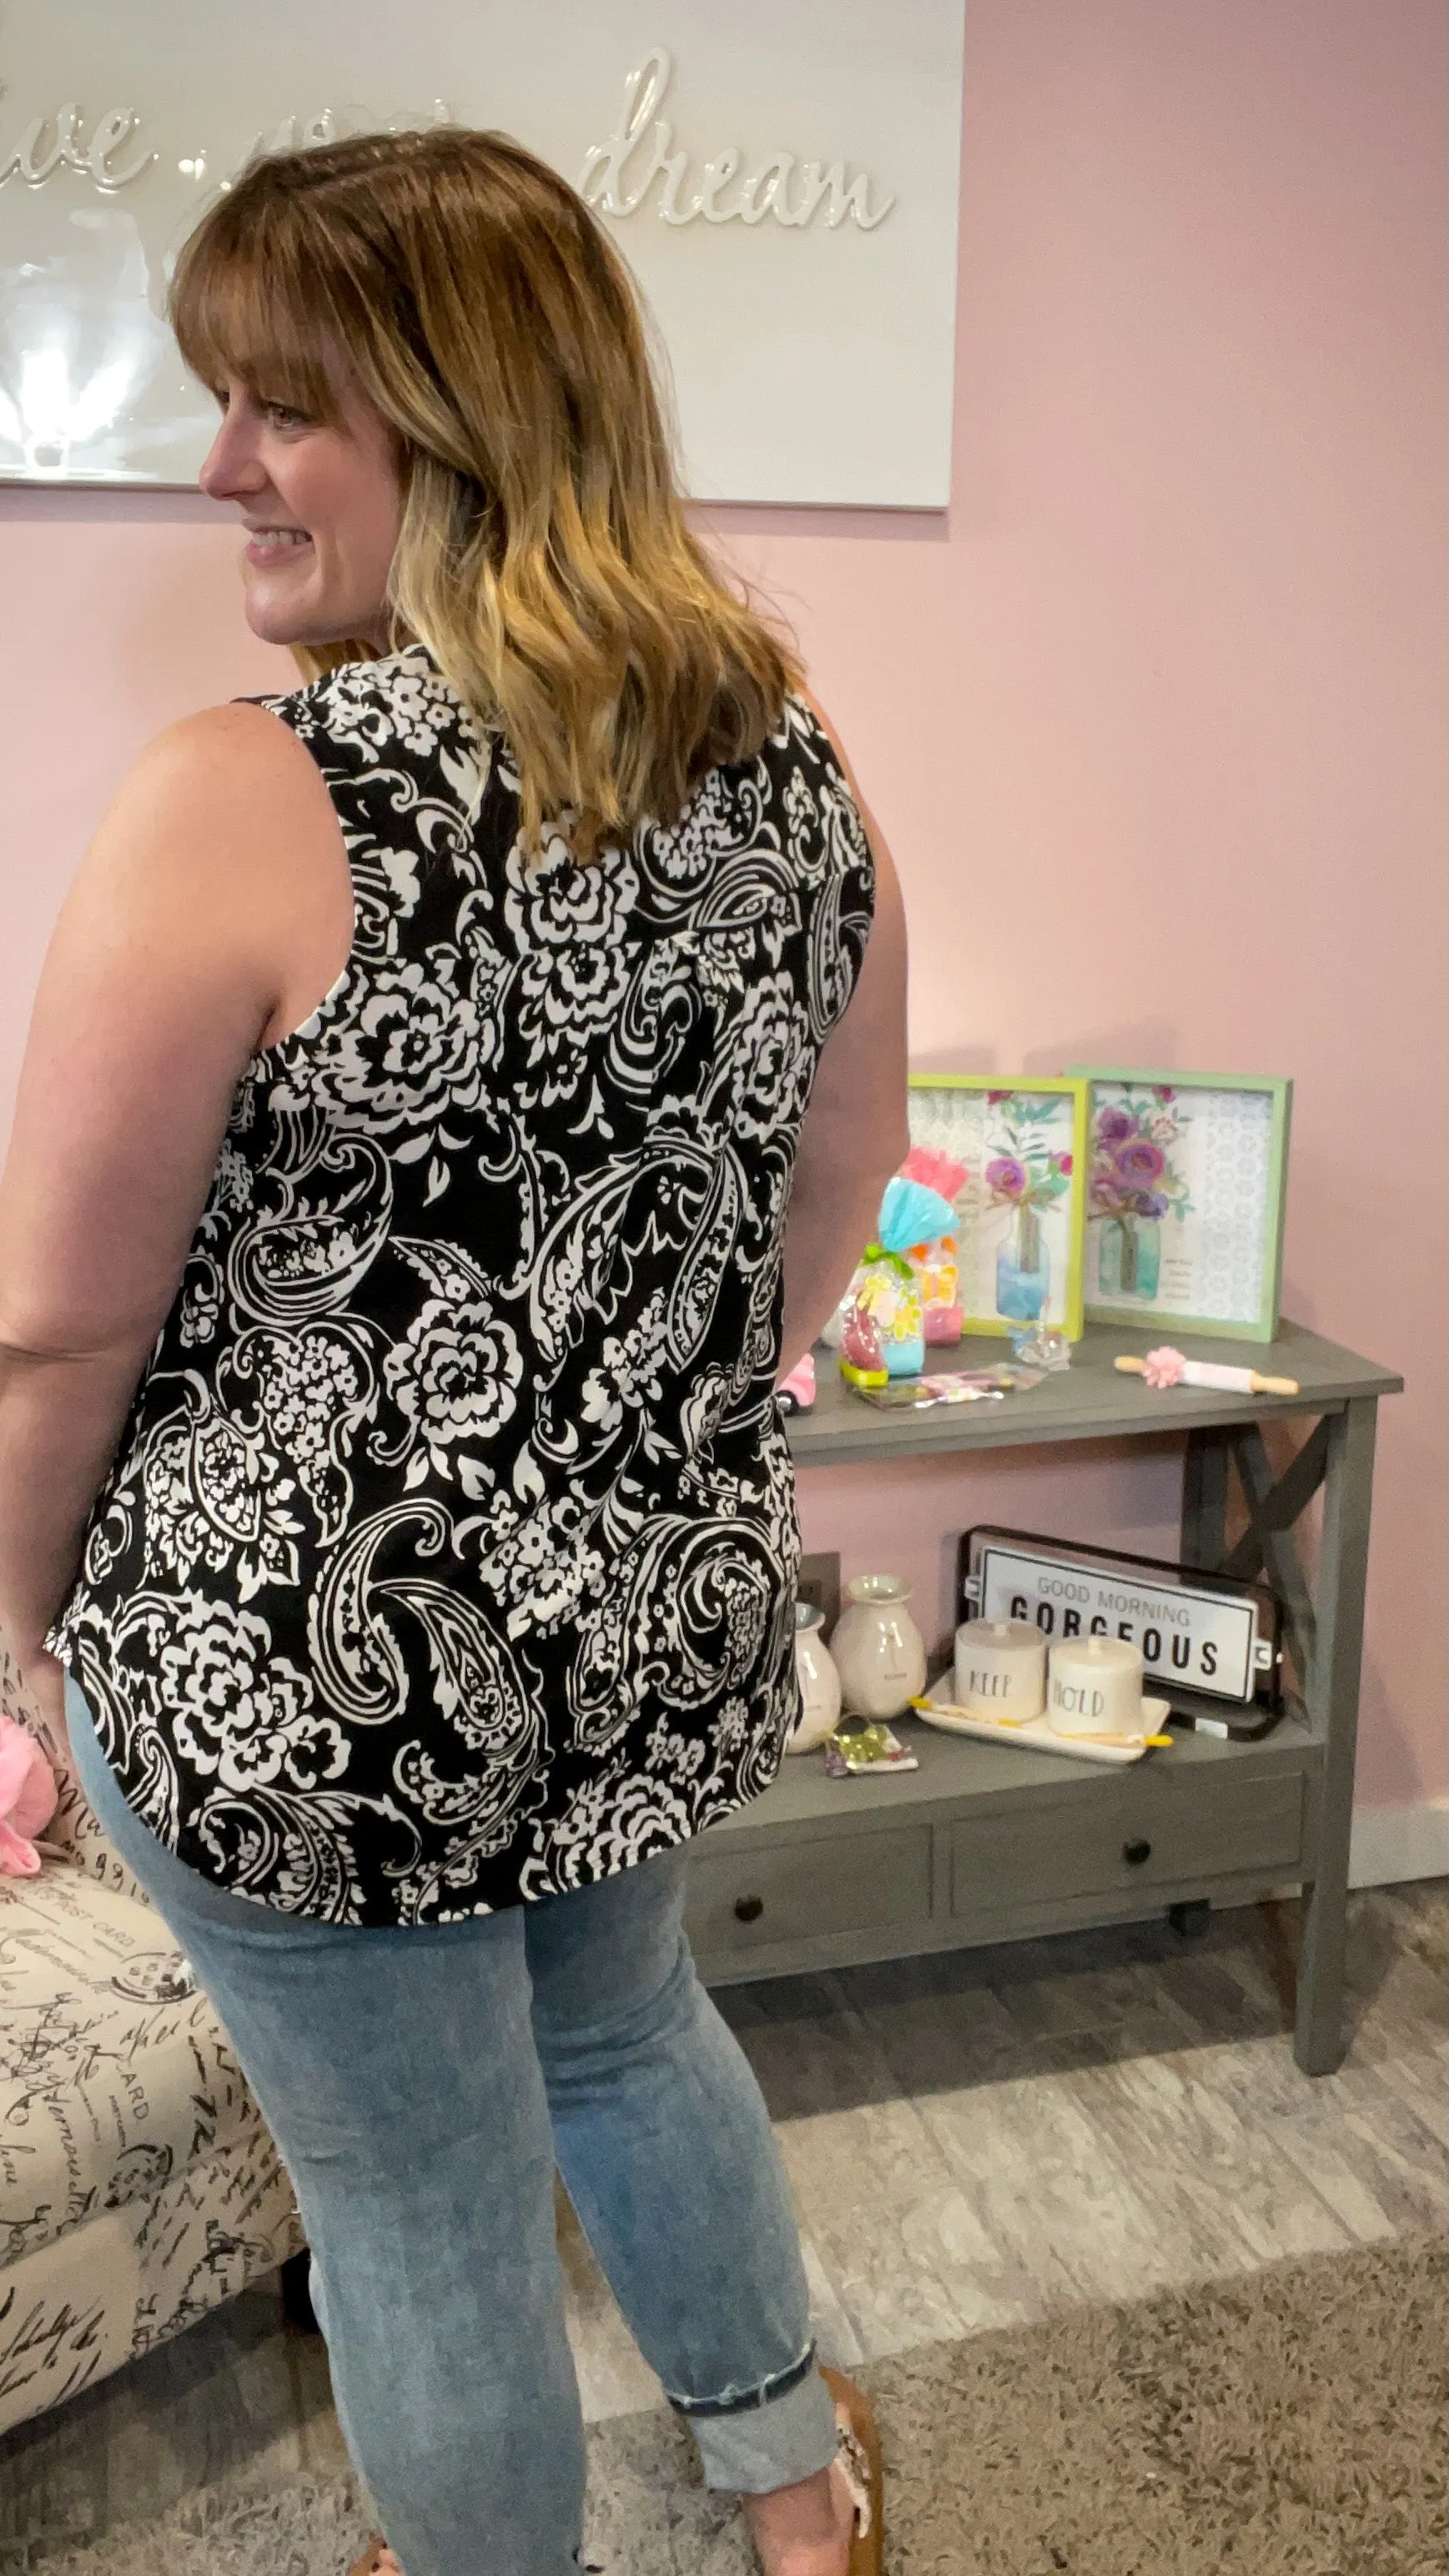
x=552, y=902
x=200, y=1307
x=242, y=1715
x=455, y=1377
x=375, y=704
x=721, y=817
x=774, y=1058
x=409, y=1054
x=627, y=1378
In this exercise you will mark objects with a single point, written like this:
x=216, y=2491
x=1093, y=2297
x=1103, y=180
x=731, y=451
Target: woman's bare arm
x=209, y=915
x=854, y=1133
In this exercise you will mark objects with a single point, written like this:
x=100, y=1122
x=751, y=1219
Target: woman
x=441, y=1087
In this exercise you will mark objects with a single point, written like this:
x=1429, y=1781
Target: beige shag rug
x=1291, y=2424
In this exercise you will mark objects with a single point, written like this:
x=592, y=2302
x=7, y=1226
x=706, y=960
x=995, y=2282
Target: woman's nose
x=231, y=469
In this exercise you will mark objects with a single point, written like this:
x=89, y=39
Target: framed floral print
x=1186, y=1189
x=1021, y=1209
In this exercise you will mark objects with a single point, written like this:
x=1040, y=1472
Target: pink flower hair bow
x=1164, y=1367
x=29, y=1795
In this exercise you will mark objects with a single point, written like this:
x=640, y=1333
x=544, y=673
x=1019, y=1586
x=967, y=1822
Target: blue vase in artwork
x=1129, y=1263
x=1023, y=1271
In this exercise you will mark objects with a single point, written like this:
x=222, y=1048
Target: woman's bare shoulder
x=211, y=748
x=229, y=786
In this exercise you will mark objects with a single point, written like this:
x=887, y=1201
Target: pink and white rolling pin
x=1168, y=1367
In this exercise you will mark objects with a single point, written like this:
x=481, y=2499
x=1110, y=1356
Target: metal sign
x=1198, y=1634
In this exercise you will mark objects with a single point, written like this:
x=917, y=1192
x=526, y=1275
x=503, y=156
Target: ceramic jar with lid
x=879, y=1651
x=819, y=1682
x=1000, y=1669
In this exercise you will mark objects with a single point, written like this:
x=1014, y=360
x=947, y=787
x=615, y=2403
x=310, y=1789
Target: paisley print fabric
x=448, y=1558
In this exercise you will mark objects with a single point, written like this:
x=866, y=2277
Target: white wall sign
x=781, y=174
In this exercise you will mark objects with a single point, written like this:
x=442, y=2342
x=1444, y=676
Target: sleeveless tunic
x=448, y=1558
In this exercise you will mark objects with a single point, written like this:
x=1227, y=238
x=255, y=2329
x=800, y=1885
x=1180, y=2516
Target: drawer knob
x=748, y=1909
x=1136, y=1853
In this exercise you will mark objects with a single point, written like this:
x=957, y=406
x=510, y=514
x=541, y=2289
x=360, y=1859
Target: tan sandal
x=376, y=2560
x=859, y=2462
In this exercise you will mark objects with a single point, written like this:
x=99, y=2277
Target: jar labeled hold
x=1000, y=1669
x=1094, y=1687
x=879, y=1651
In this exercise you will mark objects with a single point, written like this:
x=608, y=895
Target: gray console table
x=989, y=1843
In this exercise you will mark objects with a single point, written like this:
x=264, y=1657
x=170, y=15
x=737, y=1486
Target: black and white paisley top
x=448, y=1558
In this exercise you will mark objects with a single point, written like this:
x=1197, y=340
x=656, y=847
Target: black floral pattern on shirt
x=448, y=1560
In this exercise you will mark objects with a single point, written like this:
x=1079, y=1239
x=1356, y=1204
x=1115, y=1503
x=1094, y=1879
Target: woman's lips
x=277, y=545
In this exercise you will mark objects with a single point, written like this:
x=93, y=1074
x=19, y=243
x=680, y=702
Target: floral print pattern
x=448, y=1558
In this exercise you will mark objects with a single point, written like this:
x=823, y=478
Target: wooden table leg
x=1205, y=1500
x=1332, y=1691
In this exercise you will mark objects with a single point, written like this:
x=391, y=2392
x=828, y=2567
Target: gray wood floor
x=970, y=2137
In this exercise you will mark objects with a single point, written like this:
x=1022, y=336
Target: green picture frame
x=1223, y=1136
x=1038, y=1124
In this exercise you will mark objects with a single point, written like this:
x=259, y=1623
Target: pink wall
x=1153, y=718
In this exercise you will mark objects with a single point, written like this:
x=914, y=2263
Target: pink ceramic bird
x=29, y=1794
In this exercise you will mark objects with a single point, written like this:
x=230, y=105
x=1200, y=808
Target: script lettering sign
x=782, y=178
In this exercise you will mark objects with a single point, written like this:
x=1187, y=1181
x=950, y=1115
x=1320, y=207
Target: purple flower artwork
x=1131, y=1174
x=1133, y=1186
x=1138, y=1162
x=1114, y=1126
x=1027, y=1175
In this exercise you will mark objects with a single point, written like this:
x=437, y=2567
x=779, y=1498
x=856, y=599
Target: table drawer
x=837, y=1883
x=1127, y=1833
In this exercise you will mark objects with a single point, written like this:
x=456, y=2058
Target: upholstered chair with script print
x=138, y=2186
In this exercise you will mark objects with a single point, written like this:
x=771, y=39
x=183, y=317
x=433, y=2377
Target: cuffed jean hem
x=754, y=2444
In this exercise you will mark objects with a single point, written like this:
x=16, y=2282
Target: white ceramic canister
x=1094, y=1687
x=819, y=1681
x=1000, y=1668
x=879, y=1651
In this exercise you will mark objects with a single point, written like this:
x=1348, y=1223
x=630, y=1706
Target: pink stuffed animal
x=29, y=1794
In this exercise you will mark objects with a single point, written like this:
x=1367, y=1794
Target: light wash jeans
x=421, y=2084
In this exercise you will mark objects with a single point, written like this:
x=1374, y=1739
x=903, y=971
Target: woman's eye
x=282, y=416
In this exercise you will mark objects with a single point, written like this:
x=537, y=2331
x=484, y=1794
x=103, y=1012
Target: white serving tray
x=938, y=1709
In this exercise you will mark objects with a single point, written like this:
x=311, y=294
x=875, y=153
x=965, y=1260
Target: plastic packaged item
x=951, y=1386
x=1040, y=1346
x=862, y=1357
x=866, y=1748
x=935, y=1259
x=938, y=1277
x=886, y=1289
x=888, y=1294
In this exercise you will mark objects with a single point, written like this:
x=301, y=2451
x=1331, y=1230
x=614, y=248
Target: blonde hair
x=544, y=557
